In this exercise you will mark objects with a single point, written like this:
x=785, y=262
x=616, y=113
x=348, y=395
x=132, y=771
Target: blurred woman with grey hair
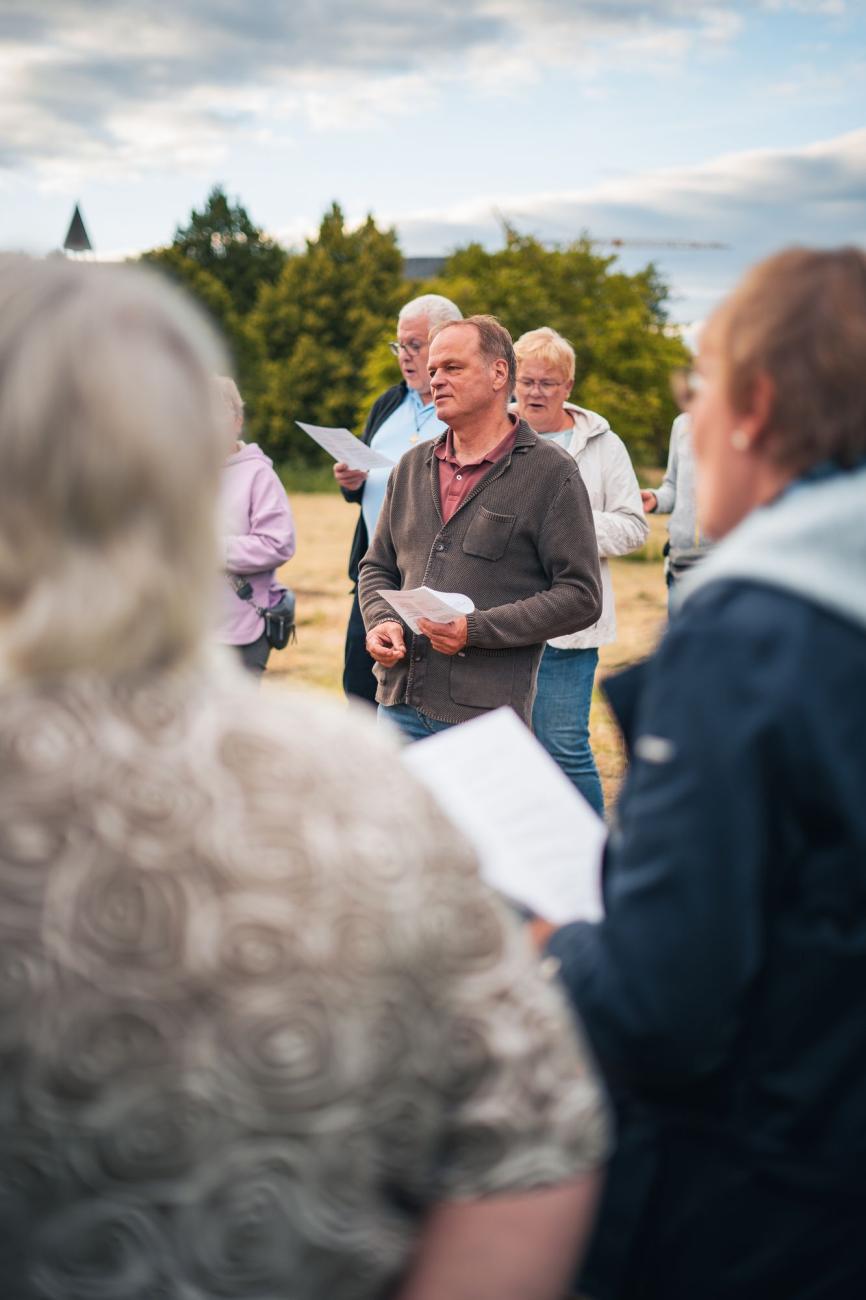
x=401, y=417
x=263, y=1032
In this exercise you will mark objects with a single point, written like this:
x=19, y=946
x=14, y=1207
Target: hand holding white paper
x=344, y=446
x=424, y=602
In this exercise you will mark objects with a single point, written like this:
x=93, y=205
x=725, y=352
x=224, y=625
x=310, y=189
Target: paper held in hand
x=539, y=841
x=344, y=446
x=424, y=602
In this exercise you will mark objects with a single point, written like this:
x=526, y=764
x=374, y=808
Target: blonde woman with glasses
x=560, y=718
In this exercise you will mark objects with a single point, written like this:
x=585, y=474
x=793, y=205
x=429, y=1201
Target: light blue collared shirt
x=562, y=437
x=404, y=428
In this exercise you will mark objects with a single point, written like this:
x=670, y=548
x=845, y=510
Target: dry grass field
x=318, y=575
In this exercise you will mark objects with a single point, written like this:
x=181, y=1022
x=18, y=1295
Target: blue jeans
x=413, y=724
x=560, y=717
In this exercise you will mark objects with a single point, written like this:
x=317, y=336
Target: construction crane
x=696, y=244
x=614, y=241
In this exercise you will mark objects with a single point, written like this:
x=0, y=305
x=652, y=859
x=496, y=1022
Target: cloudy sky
x=649, y=120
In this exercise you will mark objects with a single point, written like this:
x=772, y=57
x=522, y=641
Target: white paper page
x=423, y=602
x=344, y=446
x=539, y=841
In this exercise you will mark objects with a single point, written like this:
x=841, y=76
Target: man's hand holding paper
x=447, y=638
x=350, y=479
x=439, y=609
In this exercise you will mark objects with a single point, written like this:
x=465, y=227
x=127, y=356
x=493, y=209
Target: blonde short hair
x=800, y=318
x=109, y=463
x=546, y=345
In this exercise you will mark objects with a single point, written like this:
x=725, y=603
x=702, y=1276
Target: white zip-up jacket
x=620, y=524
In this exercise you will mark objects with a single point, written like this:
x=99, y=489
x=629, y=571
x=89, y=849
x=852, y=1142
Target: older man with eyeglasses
x=399, y=419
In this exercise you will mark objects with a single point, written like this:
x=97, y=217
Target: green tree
x=315, y=327
x=314, y=345
x=616, y=323
x=212, y=295
x=222, y=240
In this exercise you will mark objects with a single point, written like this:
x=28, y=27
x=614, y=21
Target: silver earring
x=740, y=440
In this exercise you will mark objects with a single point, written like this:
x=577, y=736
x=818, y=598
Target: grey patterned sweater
x=258, y=1013
x=522, y=547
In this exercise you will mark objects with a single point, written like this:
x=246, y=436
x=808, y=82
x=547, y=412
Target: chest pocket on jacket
x=488, y=535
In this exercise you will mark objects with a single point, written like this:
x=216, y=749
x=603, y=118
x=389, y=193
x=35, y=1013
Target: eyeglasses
x=546, y=385
x=413, y=347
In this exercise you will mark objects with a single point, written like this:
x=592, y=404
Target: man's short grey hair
x=433, y=306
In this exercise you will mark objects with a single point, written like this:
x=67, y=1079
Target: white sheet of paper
x=424, y=602
x=344, y=446
x=539, y=841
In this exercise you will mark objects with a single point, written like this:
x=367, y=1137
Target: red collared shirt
x=456, y=481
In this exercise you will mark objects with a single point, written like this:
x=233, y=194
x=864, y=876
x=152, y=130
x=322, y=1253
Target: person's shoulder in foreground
x=250, y=936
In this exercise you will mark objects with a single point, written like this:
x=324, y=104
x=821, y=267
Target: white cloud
x=810, y=84
x=753, y=201
x=711, y=193
x=831, y=8
x=123, y=86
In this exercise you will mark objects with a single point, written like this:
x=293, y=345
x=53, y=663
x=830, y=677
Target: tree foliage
x=210, y=293
x=315, y=328
x=615, y=322
x=222, y=240
x=309, y=330
x=204, y=286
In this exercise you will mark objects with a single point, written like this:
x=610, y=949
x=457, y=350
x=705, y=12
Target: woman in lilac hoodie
x=258, y=536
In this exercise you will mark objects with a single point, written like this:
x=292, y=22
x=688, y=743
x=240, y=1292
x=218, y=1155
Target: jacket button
x=440, y=546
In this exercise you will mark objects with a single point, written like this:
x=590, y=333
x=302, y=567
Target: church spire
x=77, y=239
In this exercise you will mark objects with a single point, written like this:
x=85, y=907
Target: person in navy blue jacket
x=723, y=993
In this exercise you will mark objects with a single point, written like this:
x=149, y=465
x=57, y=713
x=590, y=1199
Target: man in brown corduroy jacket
x=489, y=510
